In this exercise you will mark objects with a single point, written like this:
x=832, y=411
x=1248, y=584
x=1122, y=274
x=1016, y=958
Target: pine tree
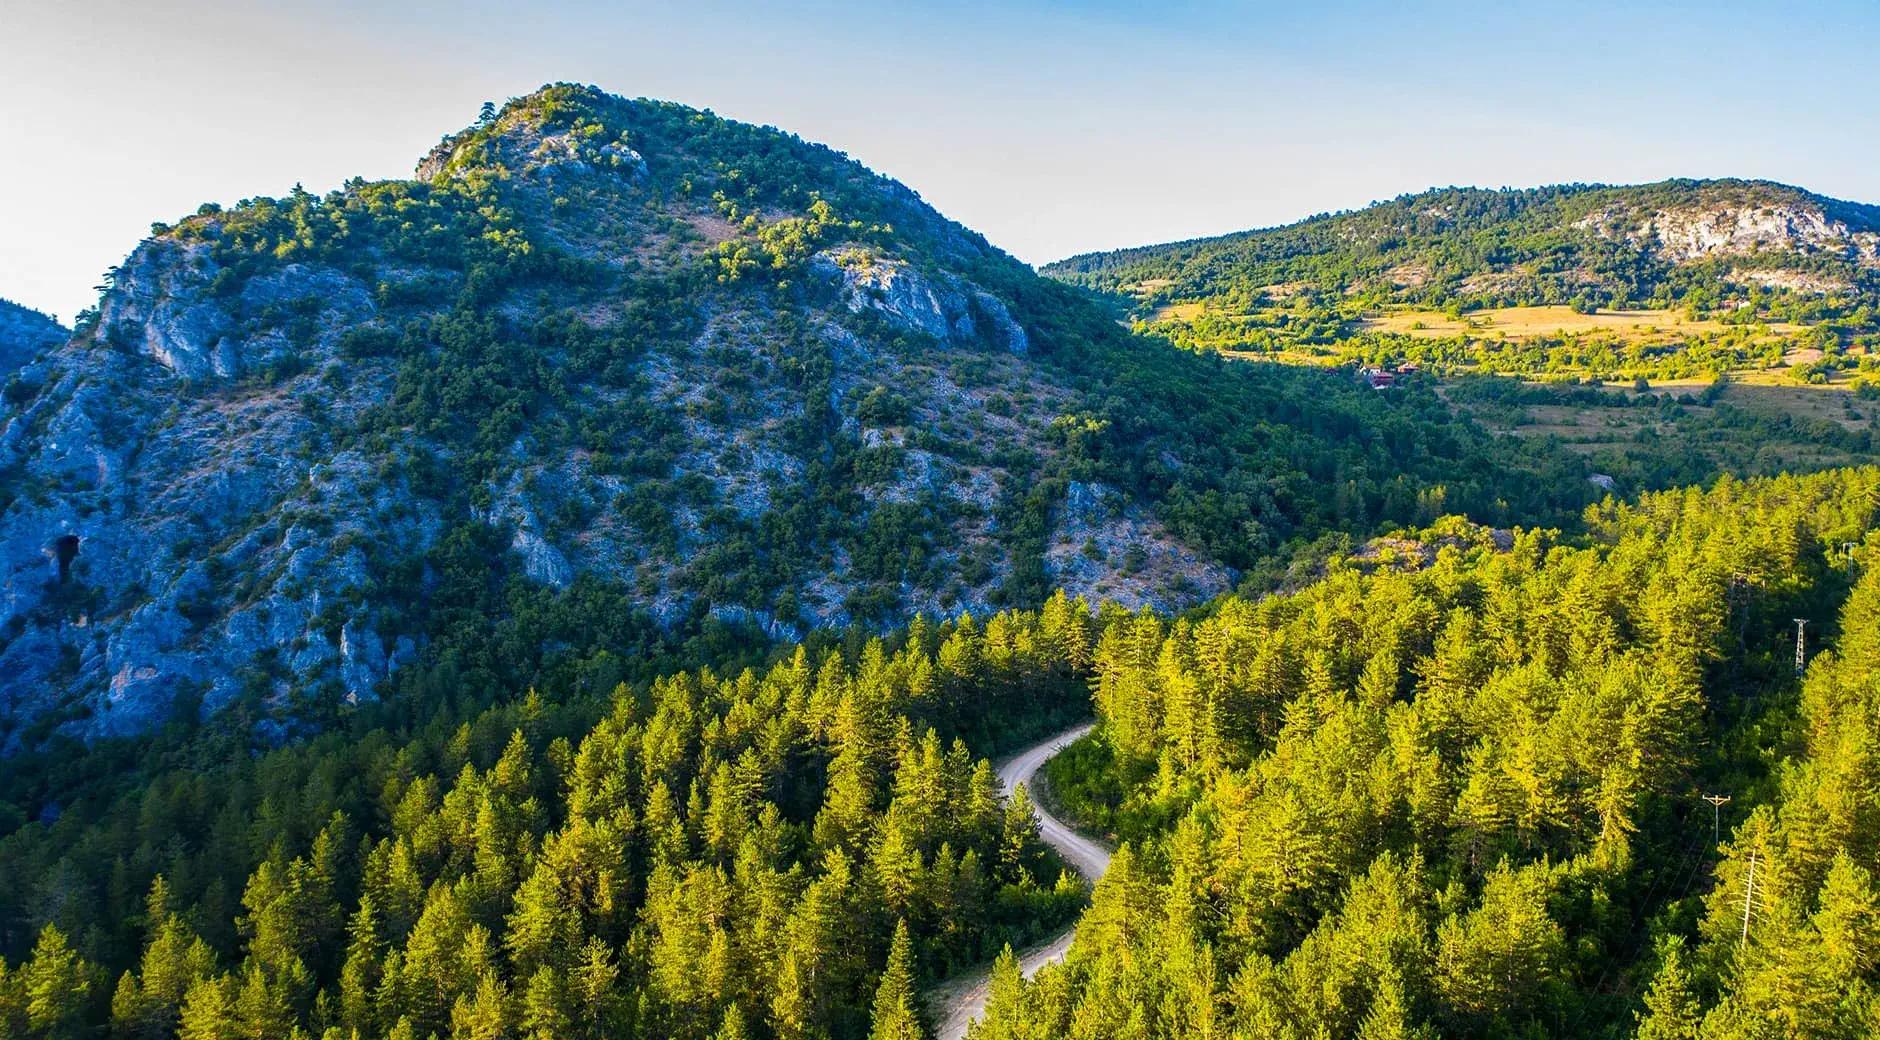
x=896, y=863
x=1187, y=723
x=731, y=1027
x=359, y=974
x=1123, y=906
x=541, y=930
x=792, y=1013
x=174, y=958
x=1671, y=1006
x=1495, y=959
x=849, y=803
x=595, y=990
x=1004, y=1017
x=209, y=1011
x=1849, y=919
x=56, y=983
x=1019, y=847
x=484, y=1016
x=262, y=1005
x=129, y=1012
x=895, y=1015
x=1389, y=1016
x=544, y=1012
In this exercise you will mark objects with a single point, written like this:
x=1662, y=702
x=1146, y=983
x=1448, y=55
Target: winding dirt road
x=957, y=1002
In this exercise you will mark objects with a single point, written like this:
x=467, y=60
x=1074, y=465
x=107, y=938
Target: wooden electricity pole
x=1717, y=802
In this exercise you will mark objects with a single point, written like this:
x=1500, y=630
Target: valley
x=627, y=578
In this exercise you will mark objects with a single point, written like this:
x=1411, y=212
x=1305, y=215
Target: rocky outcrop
x=164, y=306
x=525, y=147
x=1725, y=227
x=948, y=309
x=1110, y=548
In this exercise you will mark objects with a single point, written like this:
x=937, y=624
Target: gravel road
x=958, y=1001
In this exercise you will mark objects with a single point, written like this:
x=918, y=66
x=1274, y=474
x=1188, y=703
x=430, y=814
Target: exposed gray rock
x=897, y=292
x=1697, y=232
x=948, y=309
x=1010, y=333
x=1106, y=547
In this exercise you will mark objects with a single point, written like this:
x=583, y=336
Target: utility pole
x=1800, y=658
x=1717, y=802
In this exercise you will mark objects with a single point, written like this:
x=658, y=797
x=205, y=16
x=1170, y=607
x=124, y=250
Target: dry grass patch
x=1179, y=312
x=1519, y=323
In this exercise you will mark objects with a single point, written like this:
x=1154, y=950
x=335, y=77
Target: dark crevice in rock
x=65, y=550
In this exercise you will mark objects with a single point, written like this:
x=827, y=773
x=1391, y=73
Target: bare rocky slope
x=604, y=371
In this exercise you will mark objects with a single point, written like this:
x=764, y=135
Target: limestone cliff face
x=708, y=366
x=202, y=525
x=952, y=309
x=1741, y=223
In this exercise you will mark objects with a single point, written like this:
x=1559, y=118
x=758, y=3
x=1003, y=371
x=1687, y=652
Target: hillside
x=24, y=332
x=608, y=376
x=1667, y=244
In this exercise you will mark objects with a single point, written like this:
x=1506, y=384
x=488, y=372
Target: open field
x=1179, y=312
x=1768, y=447
x=1631, y=425
x=1772, y=390
x=1529, y=322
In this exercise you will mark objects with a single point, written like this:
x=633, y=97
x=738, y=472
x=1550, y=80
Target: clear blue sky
x=1053, y=127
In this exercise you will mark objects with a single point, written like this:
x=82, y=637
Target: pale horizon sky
x=1051, y=126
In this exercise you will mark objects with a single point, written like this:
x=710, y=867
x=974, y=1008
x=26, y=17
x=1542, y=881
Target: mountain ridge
x=1652, y=230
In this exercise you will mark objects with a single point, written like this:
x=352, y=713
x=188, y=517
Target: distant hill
x=1676, y=242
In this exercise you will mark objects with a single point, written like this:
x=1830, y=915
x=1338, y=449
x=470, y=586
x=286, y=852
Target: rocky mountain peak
x=688, y=371
x=545, y=131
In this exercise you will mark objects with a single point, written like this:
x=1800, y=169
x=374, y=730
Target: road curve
x=957, y=1002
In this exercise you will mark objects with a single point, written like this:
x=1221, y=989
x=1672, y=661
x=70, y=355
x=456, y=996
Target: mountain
x=611, y=375
x=24, y=332
x=1673, y=241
